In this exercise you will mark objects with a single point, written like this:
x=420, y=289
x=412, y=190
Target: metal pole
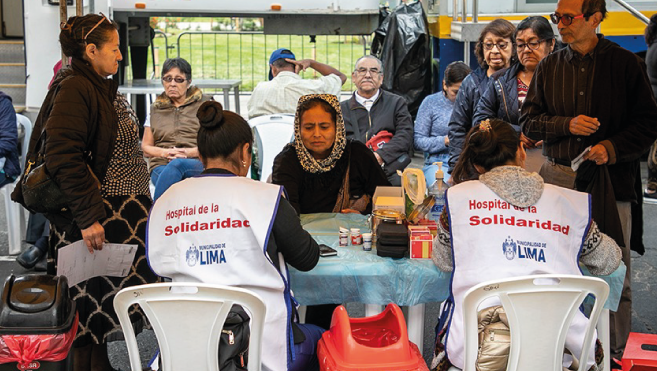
x=63, y=17
x=466, y=52
x=464, y=11
x=633, y=11
x=475, y=11
x=455, y=13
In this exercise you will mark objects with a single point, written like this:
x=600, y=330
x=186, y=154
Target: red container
x=377, y=343
x=640, y=352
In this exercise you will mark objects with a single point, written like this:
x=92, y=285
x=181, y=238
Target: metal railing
x=245, y=55
x=633, y=11
x=475, y=11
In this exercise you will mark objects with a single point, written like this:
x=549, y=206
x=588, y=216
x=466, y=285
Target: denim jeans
x=306, y=352
x=178, y=169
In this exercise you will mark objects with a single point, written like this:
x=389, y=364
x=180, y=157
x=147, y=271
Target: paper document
x=76, y=263
x=574, y=164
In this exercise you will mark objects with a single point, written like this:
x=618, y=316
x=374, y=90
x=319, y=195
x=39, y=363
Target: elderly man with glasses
x=593, y=97
x=379, y=118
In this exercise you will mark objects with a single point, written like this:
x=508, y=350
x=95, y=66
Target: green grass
x=246, y=56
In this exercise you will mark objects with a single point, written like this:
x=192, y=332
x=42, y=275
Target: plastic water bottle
x=437, y=191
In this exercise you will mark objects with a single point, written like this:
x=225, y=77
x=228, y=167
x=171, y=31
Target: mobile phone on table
x=327, y=251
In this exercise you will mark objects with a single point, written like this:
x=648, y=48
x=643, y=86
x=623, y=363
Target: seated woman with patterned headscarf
x=322, y=170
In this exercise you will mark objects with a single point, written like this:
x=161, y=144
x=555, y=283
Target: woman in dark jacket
x=494, y=52
x=503, y=97
x=322, y=171
x=93, y=154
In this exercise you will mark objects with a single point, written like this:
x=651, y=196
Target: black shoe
x=30, y=257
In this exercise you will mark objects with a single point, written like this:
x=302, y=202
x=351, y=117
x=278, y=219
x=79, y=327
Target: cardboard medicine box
x=421, y=242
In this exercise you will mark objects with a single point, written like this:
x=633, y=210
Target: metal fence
x=245, y=55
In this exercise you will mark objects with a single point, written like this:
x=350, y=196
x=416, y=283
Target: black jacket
x=81, y=126
x=464, y=106
x=389, y=112
x=500, y=98
x=9, y=137
x=317, y=193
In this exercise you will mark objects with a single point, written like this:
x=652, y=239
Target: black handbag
x=40, y=192
x=234, y=342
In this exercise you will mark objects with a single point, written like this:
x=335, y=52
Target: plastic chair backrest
x=187, y=319
x=27, y=131
x=272, y=133
x=540, y=309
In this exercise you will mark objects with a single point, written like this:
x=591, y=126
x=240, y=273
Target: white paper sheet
x=76, y=263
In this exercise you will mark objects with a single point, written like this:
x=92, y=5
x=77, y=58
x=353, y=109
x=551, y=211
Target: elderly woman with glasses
x=507, y=90
x=170, y=131
x=494, y=52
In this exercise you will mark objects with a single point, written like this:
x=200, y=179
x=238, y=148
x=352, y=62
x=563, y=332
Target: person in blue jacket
x=10, y=168
x=430, y=134
x=507, y=89
x=494, y=51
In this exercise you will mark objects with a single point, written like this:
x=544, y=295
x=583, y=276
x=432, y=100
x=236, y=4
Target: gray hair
x=178, y=63
x=369, y=57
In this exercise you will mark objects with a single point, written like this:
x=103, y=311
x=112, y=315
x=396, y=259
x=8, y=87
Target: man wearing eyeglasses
x=593, y=93
x=282, y=92
x=379, y=118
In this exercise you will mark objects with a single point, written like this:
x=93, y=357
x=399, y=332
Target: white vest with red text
x=214, y=229
x=492, y=239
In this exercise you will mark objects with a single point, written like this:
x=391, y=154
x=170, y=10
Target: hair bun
x=210, y=114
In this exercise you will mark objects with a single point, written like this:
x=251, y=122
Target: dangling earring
x=244, y=163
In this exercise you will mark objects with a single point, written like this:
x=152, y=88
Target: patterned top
x=522, y=92
x=127, y=173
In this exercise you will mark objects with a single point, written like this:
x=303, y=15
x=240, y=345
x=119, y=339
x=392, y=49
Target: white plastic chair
x=540, y=309
x=14, y=212
x=187, y=319
x=272, y=133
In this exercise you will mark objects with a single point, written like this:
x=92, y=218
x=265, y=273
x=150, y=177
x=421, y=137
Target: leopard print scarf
x=308, y=162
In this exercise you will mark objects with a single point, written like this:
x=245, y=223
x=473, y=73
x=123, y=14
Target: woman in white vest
x=221, y=227
x=509, y=223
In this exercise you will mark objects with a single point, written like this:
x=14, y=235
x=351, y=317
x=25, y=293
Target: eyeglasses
x=364, y=71
x=177, y=79
x=103, y=18
x=533, y=45
x=502, y=45
x=565, y=19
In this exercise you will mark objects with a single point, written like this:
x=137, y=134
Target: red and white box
x=421, y=241
x=431, y=224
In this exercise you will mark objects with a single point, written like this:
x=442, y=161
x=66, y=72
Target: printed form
x=76, y=263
